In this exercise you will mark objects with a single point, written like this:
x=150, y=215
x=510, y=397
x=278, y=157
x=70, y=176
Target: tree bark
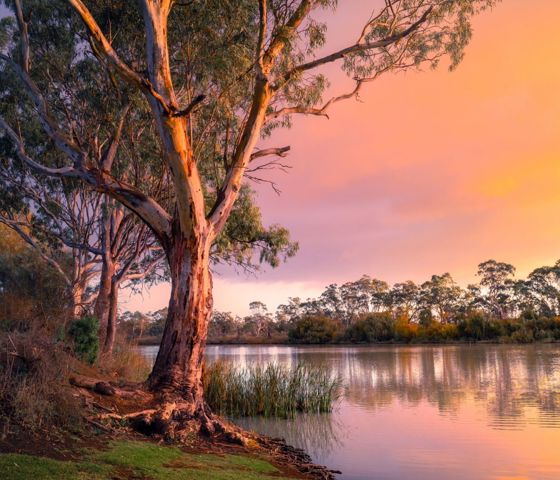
x=103, y=302
x=111, y=327
x=178, y=366
x=77, y=295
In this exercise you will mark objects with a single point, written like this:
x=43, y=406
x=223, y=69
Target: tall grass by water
x=271, y=391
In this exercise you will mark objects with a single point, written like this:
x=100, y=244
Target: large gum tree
x=215, y=77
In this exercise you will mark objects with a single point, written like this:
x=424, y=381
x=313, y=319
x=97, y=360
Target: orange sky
x=431, y=172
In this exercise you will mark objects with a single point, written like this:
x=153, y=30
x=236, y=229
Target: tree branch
x=106, y=49
x=358, y=47
x=187, y=111
x=50, y=127
x=39, y=168
x=110, y=153
x=23, y=26
x=280, y=152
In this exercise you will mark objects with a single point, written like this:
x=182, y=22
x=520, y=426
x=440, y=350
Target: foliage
x=84, y=335
x=375, y=327
x=314, y=329
x=32, y=293
x=271, y=391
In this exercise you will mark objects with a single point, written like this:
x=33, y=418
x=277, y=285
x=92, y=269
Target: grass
x=271, y=391
x=134, y=460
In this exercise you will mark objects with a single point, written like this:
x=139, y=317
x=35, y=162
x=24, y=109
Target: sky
x=430, y=172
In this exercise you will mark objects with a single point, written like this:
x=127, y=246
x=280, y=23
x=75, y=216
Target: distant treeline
x=498, y=308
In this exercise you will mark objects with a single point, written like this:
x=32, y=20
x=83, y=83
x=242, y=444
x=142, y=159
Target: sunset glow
x=441, y=170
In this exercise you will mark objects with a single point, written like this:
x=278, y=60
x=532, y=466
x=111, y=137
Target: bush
x=314, y=329
x=523, y=335
x=33, y=377
x=374, y=327
x=439, y=332
x=473, y=327
x=404, y=330
x=84, y=334
x=32, y=293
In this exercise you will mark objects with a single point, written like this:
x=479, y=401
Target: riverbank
x=128, y=458
x=61, y=418
x=100, y=450
x=420, y=343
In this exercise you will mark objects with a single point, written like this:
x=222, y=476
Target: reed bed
x=271, y=391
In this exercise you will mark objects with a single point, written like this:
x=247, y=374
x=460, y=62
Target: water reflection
x=319, y=435
x=510, y=381
x=462, y=412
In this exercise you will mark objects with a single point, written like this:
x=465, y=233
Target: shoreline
x=365, y=344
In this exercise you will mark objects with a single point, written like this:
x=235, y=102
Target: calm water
x=434, y=413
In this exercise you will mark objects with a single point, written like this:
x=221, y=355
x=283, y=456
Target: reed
x=271, y=391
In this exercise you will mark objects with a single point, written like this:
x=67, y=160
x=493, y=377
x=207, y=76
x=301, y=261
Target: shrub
x=84, y=334
x=32, y=293
x=473, y=327
x=314, y=329
x=523, y=335
x=439, y=332
x=373, y=327
x=404, y=330
x=33, y=375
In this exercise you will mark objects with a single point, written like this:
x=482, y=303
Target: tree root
x=172, y=419
x=106, y=388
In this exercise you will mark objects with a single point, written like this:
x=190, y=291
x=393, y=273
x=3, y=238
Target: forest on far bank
x=499, y=308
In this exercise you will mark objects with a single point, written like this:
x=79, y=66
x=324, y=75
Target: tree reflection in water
x=511, y=381
x=426, y=412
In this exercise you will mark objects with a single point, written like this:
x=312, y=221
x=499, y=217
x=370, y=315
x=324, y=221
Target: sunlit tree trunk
x=178, y=367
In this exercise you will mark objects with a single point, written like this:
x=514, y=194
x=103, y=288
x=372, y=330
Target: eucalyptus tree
x=129, y=254
x=404, y=299
x=356, y=297
x=540, y=291
x=496, y=278
x=443, y=296
x=217, y=76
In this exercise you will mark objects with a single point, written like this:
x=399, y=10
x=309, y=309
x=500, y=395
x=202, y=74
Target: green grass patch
x=138, y=460
x=25, y=467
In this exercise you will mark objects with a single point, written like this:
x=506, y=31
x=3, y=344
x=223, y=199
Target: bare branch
x=294, y=110
x=109, y=155
x=280, y=152
x=187, y=111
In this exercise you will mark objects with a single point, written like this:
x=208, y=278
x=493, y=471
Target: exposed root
x=172, y=419
x=106, y=388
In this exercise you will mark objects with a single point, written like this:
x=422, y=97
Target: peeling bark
x=178, y=367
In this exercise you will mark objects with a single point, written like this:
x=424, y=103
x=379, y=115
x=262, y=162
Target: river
x=425, y=412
